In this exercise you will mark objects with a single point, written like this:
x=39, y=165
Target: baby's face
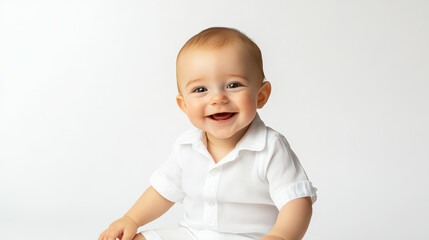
x=219, y=89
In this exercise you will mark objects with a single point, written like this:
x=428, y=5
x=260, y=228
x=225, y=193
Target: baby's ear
x=181, y=103
x=264, y=94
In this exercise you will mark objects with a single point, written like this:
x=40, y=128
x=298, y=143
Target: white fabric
x=173, y=233
x=243, y=192
x=182, y=232
x=151, y=235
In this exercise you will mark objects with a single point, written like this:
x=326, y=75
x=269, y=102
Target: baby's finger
x=128, y=235
x=112, y=235
x=106, y=233
x=101, y=237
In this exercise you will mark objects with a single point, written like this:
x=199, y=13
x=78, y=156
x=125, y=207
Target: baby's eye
x=199, y=89
x=234, y=85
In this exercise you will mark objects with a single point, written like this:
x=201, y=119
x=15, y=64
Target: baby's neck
x=224, y=145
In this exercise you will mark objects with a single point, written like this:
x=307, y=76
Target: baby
x=236, y=178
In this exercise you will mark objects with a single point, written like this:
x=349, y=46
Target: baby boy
x=236, y=178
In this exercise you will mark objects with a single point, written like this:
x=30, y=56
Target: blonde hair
x=217, y=37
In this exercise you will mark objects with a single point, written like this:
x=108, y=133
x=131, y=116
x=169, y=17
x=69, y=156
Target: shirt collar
x=254, y=139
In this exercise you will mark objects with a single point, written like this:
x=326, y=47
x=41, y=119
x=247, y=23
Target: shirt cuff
x=166, y=188
x=294, y=191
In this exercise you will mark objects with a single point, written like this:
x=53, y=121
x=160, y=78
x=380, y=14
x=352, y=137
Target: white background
x=88, y=111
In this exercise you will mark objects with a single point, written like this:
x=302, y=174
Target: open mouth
x=222, y=116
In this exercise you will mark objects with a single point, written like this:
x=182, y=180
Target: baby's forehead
x=213, y=47
x=232, y=58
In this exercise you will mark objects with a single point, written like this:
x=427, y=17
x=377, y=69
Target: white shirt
x=242, y=193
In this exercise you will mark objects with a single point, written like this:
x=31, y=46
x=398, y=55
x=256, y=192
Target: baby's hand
x=124, y=228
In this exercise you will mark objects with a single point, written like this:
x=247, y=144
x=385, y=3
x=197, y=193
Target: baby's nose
x=219, y=98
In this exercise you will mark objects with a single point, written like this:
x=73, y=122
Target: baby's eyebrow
x=192, y=81
x=237, y=76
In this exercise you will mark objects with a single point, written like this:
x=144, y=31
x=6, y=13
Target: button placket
x=210, y=200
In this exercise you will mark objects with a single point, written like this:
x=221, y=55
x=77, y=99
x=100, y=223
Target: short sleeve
x=167, y=179
x=286, y=177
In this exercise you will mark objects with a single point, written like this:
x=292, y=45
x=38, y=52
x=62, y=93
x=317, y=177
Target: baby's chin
x=221, y=136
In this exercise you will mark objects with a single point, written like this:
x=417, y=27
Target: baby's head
x=220, y=80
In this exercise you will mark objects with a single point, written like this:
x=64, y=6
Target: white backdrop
x=88, y=111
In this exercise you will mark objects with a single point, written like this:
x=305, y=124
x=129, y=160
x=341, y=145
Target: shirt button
x=211, y=204
x=214, y=172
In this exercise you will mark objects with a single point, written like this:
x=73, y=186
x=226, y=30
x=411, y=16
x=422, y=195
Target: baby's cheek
x=196, y=110
x=249, y=102
x=196, y=114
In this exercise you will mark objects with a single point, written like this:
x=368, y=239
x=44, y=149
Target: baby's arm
x=292, y=221
x=150, y=206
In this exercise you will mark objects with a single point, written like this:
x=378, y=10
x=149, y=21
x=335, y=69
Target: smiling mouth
x=222, y=116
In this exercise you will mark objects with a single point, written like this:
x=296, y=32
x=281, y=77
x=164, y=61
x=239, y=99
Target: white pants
x=183, y=232
x=172, y=233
